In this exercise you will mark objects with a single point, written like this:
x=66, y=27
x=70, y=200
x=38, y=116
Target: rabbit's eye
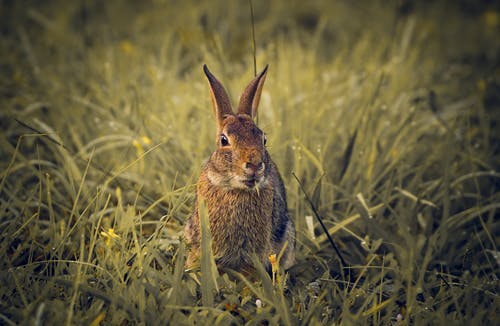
x=223, y=140
x=264, y=140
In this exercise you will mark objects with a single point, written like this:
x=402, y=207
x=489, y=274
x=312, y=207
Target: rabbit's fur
x=242, y=189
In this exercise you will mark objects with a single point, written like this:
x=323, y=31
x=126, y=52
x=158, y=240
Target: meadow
x=382, y=117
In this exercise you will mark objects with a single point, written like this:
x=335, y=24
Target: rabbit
x=242, y=188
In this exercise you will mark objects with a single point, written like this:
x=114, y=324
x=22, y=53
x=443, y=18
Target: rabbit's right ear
x=249, y=100
x=220, y=99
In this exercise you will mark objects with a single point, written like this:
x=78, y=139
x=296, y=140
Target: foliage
x=387, y=116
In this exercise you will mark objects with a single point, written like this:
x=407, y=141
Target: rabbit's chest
x=241, y=223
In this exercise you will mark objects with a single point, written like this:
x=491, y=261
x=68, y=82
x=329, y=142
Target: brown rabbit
x=242, y=189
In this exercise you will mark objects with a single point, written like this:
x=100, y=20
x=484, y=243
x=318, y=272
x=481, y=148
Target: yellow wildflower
x=146, y=140
x=491, y=18
x=109, y=235
x=138, y=146
x=127, y=47
x=274, y=266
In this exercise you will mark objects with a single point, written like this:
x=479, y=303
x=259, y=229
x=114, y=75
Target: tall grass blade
x=209, y=273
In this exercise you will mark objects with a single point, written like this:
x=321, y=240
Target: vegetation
x=387, y=113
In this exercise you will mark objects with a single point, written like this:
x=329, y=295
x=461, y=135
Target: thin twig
x=254, y=50
x=320, y=220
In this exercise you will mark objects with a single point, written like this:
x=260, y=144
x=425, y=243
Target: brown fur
x=242, y=189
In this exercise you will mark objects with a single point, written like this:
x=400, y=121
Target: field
x=382, y=117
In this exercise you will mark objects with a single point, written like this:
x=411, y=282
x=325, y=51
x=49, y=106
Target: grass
x=387, y=116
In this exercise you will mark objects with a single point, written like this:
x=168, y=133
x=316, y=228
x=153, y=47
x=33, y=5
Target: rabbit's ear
x=220, y=99
x=250, y=98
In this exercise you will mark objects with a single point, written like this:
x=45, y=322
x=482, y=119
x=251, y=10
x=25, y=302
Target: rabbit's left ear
x=220, y=99
x=250, y=98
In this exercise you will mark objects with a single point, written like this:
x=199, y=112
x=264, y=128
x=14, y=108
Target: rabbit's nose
x=252, y=168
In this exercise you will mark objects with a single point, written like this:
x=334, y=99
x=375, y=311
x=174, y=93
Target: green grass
x=387, y=115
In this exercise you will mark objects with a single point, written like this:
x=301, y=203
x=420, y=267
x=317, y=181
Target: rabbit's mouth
x=250, y=183
x=253, y=181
